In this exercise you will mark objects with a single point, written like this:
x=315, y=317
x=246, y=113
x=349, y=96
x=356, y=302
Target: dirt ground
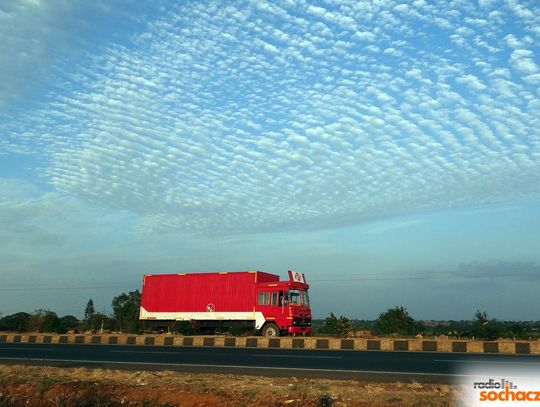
x=66, y=387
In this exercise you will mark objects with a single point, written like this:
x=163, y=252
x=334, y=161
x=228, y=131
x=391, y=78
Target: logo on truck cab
x=297, y=277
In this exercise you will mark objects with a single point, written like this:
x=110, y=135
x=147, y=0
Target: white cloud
x=520, y=10
x=402, y=8
x=486, y=3
x=318, y=11
x=522, y=61
x=27, y=36
x=533, y=79
x=37, y=37
x=364, y=36
x=255, y=119
x=472, y=82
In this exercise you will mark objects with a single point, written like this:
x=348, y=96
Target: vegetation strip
x=47, y=386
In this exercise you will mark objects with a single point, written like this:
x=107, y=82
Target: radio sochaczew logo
x=502, y=390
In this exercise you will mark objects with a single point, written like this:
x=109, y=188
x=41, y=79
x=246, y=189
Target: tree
x=44, y=320
x=481, y=318
x=397, y=321
x=70, y=322
x=338, y=326
x=126, y=311
x=486, y=328
x=100, y=320
x=17, y=322
x=89, y=312
x=517, y=330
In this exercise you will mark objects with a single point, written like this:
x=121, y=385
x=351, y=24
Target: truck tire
x=270, y=329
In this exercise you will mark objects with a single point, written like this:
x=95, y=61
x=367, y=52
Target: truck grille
x=301, y=322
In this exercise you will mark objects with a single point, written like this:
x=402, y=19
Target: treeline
x=125, y=318
x=398, y=322
x=393, y=322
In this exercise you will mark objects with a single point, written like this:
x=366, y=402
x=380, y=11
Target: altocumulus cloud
x=36, y=34
x=241, y=117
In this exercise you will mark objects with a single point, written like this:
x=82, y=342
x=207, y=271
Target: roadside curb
x=353, y=344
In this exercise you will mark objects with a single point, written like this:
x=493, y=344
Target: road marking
x=253, y=354
x=27, y=349
x=295, y=369
x=483, y=362
x=146, y=352
x=295, y=356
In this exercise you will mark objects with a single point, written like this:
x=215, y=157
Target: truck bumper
x=299, y=330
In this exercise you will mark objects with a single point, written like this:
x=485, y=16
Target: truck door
x=282, y=301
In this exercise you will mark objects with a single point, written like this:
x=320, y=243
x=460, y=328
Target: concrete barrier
x=321, y=343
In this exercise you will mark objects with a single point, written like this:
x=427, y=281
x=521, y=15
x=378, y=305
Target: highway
x=429, y=367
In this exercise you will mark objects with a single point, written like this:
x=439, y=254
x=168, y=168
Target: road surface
x=430, y=367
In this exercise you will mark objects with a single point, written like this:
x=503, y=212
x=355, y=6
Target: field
x=69, y=387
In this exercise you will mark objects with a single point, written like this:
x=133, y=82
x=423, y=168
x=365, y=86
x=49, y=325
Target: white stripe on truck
x=258, y=317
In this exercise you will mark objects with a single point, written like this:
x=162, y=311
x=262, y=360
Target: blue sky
x=388, y=150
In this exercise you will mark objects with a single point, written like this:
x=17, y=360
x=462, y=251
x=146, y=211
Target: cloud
x=248, y=119
x=29, y=217
x=27, y=35
x=497, y=269
x=390, y=225
x=364, y=36
x=37, y=37
x=402, y=8
x=522, y=61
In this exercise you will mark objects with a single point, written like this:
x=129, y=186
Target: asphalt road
x=360, y=365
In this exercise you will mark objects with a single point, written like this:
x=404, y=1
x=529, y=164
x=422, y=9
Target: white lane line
x=295, y=356
x=146, y=352
x=27, y=349
x=253, y=354
x=485, y=362
x=111, y=362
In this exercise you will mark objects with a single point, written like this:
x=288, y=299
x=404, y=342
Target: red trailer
x=221, y=300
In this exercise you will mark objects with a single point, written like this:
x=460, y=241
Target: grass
x=44, y=386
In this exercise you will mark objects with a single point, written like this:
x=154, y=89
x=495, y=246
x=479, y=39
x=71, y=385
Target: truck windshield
x=299, y=297
x=306, y=298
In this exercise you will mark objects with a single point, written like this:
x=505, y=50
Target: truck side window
x=264, y=298
x=275, y=298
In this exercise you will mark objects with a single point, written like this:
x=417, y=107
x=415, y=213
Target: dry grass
x=46, y=386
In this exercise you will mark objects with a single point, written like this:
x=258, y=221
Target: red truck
x=218, y=301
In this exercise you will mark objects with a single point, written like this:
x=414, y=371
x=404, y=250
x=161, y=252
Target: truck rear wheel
x=270, y=329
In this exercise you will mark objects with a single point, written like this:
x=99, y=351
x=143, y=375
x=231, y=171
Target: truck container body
x=222, y=299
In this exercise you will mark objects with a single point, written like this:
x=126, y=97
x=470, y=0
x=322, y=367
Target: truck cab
x=285, y=306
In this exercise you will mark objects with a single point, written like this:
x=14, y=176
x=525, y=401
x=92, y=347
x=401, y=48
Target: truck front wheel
x=270, y=329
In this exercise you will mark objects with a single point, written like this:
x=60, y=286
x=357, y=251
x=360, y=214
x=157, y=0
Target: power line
x=350, y=278
x=66, y=287
x=440, y=276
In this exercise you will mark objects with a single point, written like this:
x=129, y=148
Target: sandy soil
x=46, y=386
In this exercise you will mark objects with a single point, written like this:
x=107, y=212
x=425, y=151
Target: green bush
x=15, y=323
x=486, y=328
x=336, y=326
x=397, y=321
